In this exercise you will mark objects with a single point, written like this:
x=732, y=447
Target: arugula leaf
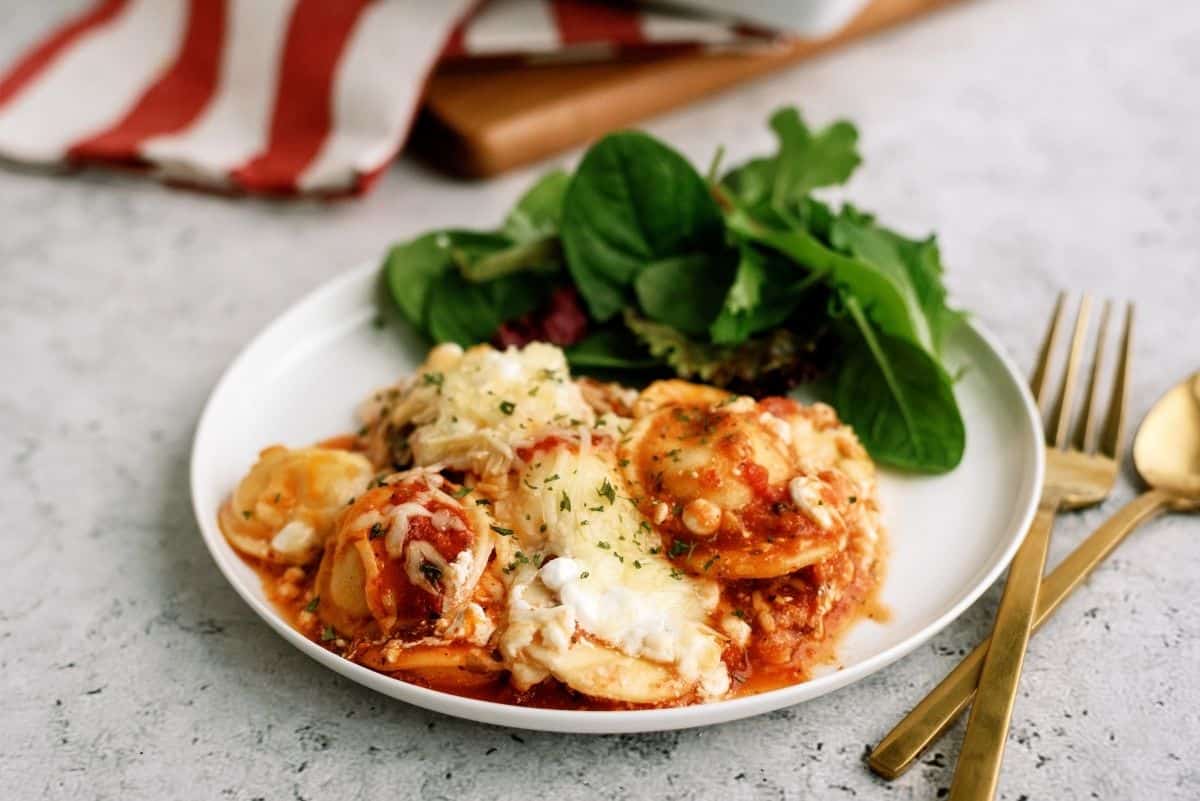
x=661, y=288
x=918, y=261
x=632, y=201
x=899, y=401
x=890, y=297
x=538, y=213
x=766, y=289
x=468, y=313
x=805, y=161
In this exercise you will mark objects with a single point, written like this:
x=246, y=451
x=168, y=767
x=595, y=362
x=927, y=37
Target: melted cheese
x=598, y=572
x=474, y=412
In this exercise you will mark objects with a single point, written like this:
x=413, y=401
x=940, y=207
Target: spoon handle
x=929, y=719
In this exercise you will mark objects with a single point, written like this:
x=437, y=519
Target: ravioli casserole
x=500, y=530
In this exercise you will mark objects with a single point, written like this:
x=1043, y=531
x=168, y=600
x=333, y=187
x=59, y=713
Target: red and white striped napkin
x=280, y=96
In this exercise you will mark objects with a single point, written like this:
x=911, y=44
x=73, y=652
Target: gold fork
x=1077, y=477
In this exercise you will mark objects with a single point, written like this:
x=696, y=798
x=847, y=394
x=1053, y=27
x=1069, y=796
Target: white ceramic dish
x=951, y=535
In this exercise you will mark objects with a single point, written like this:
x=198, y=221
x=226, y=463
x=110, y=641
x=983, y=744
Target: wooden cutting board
x=479, y=121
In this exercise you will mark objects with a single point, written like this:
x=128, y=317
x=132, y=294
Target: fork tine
x=1114, y=424
x=1085, y=431
x=1061, y=417
x=1038, y=382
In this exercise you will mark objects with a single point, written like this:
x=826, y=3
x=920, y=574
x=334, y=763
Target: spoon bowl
x=1166, y=450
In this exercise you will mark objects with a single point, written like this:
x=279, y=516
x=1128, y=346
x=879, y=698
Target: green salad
x=639, y=265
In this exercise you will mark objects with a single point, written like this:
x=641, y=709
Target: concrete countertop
x=1051, y=144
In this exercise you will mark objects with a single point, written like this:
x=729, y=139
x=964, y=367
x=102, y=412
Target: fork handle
x=978, y=769
x=929, y=719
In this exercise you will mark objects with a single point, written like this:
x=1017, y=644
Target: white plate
x=951, y=536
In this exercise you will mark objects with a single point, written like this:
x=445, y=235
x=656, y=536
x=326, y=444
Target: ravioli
x=284, y=508
x=719, y=477
x=406, y=557
x=587, y=575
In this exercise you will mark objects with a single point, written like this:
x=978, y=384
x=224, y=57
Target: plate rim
x=583, y=721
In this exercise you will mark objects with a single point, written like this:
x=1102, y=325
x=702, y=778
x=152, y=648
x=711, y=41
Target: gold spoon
x=1166, y=453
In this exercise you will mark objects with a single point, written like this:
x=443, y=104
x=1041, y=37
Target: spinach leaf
x=611, y=348
x=899, y=400
x=413, y=267
x=632, y=201
x=685, y=292
x=538, y=213
x=468, y=313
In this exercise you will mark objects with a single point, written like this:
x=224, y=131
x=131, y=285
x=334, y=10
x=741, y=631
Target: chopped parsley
x=482, y=502
x=508, y=407
x=676, y=574
x=247, y=514
x=607, y=491
x=501, y=530
x=584, y=574
x=623, y=463
x=603, y=545
x=376, y=531
x=328, y=634
x=311, y=606
x=564, y=502
x=637, y=564
x=739, y=613
x=433, y=379
x=711, y=561
x=678, y=548
x=463, y=491
x=519, y=558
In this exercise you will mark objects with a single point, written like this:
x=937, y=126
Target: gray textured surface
x=1051, y=144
